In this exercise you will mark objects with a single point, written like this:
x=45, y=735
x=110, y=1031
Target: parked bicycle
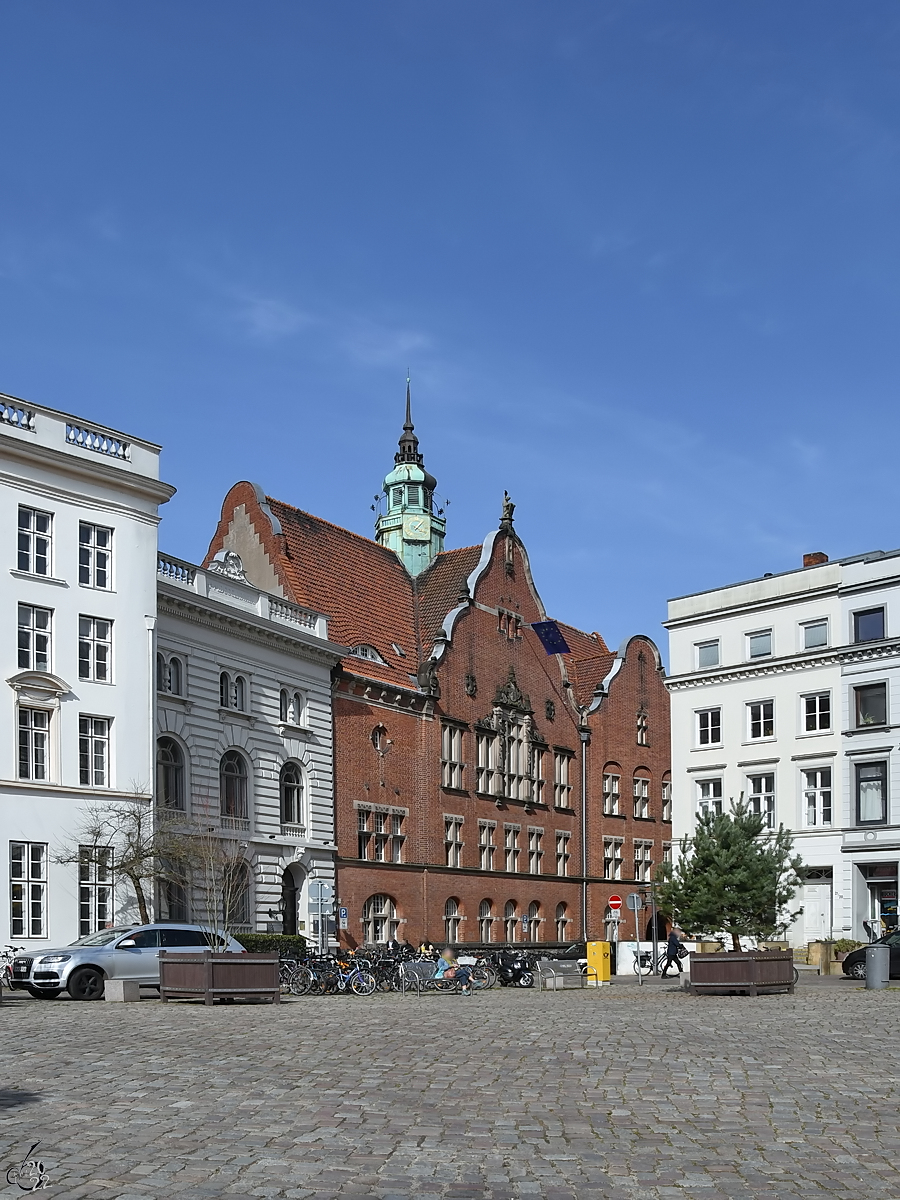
x=6, y=961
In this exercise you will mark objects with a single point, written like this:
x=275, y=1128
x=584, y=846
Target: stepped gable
x=362, y=588
x=588, y=664
x=440, y=589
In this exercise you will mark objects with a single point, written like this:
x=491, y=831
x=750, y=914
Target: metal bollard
x=878, y=966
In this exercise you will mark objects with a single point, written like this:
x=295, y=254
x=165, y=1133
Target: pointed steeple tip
x=408, y=426
x=409, y=443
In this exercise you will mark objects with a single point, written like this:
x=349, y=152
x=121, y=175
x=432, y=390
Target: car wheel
x=44, y=993
x=857, y=970
x=86, y=984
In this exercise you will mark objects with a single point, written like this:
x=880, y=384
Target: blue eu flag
x=551, y=638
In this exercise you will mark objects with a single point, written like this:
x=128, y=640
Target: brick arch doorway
x=293, y=879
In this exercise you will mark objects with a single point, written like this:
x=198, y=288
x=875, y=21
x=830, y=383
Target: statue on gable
x=228, y=563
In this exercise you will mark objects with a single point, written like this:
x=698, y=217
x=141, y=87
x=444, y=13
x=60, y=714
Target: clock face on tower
x=417, y=529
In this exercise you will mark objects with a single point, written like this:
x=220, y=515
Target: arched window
x=485, y=920
x=238, y=692
x=510, y=920
x=379, y=920
x=161, y=674
x=232, y=692
x=291, y=789
x=368, y=652
x=534, y=921
x=169, y=774
x=562, y=921
x=236, y=904
x=291, y=705
x=452, y=921
x=224, y=690
x=175, y=677
x=641, y=791
x=233, y=786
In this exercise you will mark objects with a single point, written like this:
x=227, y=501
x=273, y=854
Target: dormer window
x=368, y=652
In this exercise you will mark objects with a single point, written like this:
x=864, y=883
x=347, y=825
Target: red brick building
x=463, y=808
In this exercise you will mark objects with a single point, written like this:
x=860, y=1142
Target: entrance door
x=816, y=912
x=288, y=902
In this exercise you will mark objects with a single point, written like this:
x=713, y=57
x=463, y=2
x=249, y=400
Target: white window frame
x=535, y=849
x=699, y=731
x=806, y=625
x=563, y=837
x=643, y=860
x=486, y=763
x=709, y=799
x=762, y=736
x=612, y=857
x=699, y=647
x=453, y=840
x=95, y=561
x=640, y=792
x=758, y=633
x=452, y=765
x=35, y=544
x=511, y=848
x=666, y=800
x=818, y=796
x=34, y=637
x=813, y=700
x=537, y=767
x=94, y=650
x=562, y=778
x=762, y=800
x=487, y=847
x=95, y=889
x=27, y=890
x=34, y=738
x=611, y=794
x=92, y=736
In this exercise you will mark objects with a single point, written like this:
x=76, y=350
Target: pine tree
x=733, y=875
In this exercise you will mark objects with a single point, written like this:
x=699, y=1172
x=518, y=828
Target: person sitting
x=448, y=968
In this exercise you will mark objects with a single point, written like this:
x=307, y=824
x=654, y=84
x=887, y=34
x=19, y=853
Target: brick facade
x=453, y=648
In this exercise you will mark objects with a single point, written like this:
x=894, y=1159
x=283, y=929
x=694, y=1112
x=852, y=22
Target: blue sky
x=640, y=258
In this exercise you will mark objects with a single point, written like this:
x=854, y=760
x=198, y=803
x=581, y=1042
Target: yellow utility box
x=597, y=964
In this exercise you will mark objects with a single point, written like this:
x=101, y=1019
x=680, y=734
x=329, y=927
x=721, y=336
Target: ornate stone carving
x=510, y=695
x=229, y=563
x=427, y=678
x=471, y=686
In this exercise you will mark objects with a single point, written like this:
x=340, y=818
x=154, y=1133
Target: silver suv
x=125, y=952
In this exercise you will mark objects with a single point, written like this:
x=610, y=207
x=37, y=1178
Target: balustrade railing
x=100, y=443
x=239, y=824
x=19, y=418
x=175, y=569
x=293, y=831
x=283, y=610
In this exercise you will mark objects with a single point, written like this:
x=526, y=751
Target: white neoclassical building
x=78, y=540
x=787, y=689
x=244, y=739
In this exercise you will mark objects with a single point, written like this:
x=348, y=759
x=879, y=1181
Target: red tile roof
x=589, y=662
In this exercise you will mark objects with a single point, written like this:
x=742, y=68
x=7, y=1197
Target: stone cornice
x=868, y=652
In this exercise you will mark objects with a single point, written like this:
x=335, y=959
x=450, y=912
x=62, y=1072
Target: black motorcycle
x=514, y=970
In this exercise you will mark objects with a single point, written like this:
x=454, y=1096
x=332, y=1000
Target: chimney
x=815, y=559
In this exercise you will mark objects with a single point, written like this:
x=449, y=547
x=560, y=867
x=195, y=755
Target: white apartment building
x=786, y=689
x=244, y=740
x=78, y=540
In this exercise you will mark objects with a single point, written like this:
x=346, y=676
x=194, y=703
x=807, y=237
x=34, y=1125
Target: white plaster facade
x=77, y=657
x=824, y=758
x=273, y=710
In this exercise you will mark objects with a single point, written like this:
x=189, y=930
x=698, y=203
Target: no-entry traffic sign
x=614, y=902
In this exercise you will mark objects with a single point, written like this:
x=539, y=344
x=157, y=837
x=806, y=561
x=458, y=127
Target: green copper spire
x=409, y=526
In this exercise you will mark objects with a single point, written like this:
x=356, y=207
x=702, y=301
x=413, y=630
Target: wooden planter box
x=751, y=972
x=213, y=976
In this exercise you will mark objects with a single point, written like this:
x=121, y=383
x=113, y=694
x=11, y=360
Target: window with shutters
x=452, y=757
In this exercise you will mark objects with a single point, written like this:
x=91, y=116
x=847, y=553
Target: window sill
x=38, y=578
x=707, y=746
x=287, y=730
x=652, y=820
x=452, y=791
x=235, y=714
x=172, y=698
x=811, y=733
x=562, y=808
x=857, y=730
x=759, y=741
x=92, y=587
x=615, y=816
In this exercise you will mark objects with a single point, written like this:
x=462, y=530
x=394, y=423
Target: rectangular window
x=612, y=858
x=398, y=837
x=562, y=852
x=94, y=556
x=381, y=837
x=34, y=541
x=562, y=787
x=535, y=853
x=485, y=763
x=453, y=840
x=93, y=751
x=537, y=788
x=643, y=729
x=817, y=712
x=815, y=634
x=761, y=797
x=709, y=727
x=95, y=649
x=707, y=654
x=817, y=796
x=364, y=832
x=871, y=793
x=517, y=783
x=34, y=747
x=709, y=798
x=95, y=894
x=667, y=801
x=34, y=638
x=667, y=852
x=511, y=838
x=871, y=705
x=486, y=846
x=761, y=719
x=28, y=889
x=759, y=645
x=611, y=795
x=451, y=757
x=643, y=864
x=868, y=626
x=641, y=792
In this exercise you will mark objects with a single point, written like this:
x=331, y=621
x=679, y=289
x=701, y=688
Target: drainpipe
x=585, y=734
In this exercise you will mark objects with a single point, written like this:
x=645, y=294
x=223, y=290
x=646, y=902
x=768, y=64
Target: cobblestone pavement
x=624, y=1092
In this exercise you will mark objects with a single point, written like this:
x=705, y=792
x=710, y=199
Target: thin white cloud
x=266, y=319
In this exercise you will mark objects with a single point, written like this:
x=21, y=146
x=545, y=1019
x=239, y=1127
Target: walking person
x=673, y=951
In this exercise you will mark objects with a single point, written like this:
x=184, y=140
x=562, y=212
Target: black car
x=855, y=963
